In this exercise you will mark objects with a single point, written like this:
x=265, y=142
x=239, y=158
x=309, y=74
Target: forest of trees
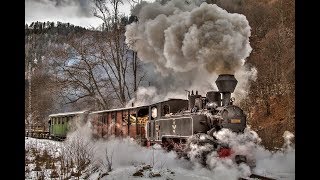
x=73, y=68
x=270, y=104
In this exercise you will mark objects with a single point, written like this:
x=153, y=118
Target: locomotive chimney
x=226, y=84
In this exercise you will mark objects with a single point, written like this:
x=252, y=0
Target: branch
x=141, y=78
x=75, y=100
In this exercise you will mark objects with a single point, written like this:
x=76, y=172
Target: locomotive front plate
x=235, y=121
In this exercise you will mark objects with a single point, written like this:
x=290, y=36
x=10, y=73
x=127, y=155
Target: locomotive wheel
x=240, y=159
x=202, y=139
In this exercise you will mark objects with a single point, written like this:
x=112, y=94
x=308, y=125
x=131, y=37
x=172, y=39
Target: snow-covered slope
x=129, y=159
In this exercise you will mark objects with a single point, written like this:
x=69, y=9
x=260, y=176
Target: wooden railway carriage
x=60, y=124
x=121, y=122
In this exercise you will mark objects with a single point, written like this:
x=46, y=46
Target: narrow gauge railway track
x=43, y=135
x=38, y=134
x=255, y=176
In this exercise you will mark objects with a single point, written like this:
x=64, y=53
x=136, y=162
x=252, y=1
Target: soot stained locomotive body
x=195, y=120
x=202, y=115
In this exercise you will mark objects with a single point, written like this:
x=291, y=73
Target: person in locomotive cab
x=194, y=109
x=232, y=100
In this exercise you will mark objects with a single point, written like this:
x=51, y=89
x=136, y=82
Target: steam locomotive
x=196, y=125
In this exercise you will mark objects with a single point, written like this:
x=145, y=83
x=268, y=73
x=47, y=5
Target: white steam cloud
x=190, y=44
x=279, y=164
x=128, y=157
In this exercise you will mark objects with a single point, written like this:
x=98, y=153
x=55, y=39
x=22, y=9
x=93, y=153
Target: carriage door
x=113, y=123
x=153, y=116
x=143, y=118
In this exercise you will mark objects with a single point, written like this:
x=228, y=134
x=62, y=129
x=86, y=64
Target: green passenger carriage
x=60, y=124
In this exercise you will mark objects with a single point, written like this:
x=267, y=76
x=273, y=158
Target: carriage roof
x=119, y=109
x=68, y=113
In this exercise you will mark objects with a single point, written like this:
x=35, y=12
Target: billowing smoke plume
x=180, y=38
x=189, y=44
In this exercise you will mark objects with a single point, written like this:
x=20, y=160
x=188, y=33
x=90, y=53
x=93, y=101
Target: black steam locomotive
x=197, y=123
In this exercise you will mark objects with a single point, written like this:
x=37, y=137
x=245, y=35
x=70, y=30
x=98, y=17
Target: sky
x=77, y=12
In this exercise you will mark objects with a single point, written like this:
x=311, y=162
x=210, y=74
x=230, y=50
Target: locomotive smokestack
x=226, y=84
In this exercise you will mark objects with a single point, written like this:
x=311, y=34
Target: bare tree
x=38, y=81
x=81, y=152
x=115, y=56
x=109, y=159
x=79, y=72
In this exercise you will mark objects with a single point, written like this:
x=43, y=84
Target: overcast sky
x=77, y=12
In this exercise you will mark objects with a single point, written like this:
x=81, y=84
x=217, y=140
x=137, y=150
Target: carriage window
x=63, y=119
x=113, y=117
x=125, y=118
x=143, y=116
x=149, y=129
x=103, y=119
x=154, y=112
x=166, y=110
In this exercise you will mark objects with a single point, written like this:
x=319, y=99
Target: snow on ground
x=129, y=158
x=43, y=144
x=36, y=147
